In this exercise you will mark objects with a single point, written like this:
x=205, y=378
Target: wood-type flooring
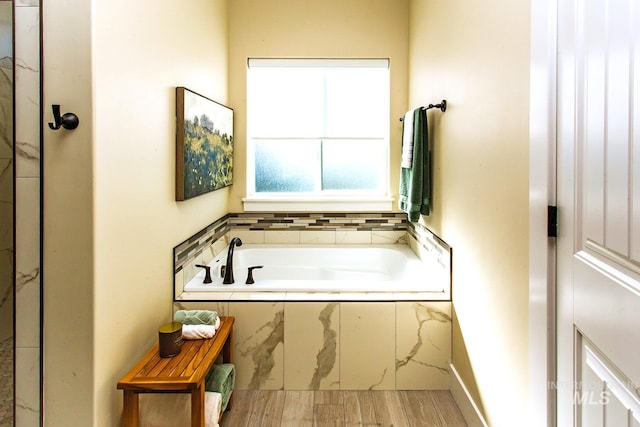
x=264, y=408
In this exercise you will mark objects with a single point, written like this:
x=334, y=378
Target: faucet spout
x=228, y=271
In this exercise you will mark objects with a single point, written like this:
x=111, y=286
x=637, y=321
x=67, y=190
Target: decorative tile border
x=434, y=245
x=318, y=221
x=194, y=245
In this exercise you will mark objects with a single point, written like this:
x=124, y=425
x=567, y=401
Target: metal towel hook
x=442, y=106
x=68, y=121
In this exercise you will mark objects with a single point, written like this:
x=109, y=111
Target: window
x=317, y=130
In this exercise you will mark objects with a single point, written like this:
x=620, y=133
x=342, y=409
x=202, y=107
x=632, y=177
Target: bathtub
x=379, y=272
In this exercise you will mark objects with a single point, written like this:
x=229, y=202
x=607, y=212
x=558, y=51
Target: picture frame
x=204, y=144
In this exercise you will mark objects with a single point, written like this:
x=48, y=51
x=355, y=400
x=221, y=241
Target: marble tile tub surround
x=309, y=228
x=338, y=345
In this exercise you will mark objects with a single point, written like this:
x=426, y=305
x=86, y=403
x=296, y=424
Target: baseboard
x=465, y=402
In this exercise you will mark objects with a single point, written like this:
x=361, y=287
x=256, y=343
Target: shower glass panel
x=6, y=215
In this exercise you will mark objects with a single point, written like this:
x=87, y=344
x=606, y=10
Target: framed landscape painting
x=204, y=144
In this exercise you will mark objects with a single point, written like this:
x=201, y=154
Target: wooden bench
x=183, y=373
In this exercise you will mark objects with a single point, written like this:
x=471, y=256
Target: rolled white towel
x=173, y=409
x=198, y=332
x=217, y=323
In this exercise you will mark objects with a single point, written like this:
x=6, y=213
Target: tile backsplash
x=318, y=221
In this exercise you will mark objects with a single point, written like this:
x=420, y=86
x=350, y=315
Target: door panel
x=607, y=312
x=605, y=398
x=595, y=84
x=589, y=397
x=616, y=414
x=616, y=122
x=599, y=190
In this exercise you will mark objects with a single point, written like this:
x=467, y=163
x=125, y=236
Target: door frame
x=542, y=193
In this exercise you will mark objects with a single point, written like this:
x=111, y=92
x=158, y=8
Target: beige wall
x=476, y=55
x=325, y=29
x=111, y=219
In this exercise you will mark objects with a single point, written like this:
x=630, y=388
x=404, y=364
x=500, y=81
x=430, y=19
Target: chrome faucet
x=228, y=270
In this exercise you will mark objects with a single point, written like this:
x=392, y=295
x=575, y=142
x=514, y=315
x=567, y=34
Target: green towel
x=196, y=317
x=415, y=182
x=221, y=379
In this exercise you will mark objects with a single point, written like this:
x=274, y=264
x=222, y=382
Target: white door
x=598, y=282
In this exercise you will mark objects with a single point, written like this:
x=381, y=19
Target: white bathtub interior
x=361, y=272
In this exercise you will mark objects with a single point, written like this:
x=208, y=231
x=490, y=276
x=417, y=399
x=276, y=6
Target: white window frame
x=291, y=202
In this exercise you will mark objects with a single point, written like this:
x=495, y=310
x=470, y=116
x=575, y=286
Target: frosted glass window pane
x=283, y=166
x=353, y=165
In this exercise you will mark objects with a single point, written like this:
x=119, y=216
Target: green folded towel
x=415, y=182
x=221, y=379
x=196, y=317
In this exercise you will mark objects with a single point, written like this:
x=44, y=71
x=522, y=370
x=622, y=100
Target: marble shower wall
x=6, y=214
x=6, y=176
x=27, y=163
x=339, y=345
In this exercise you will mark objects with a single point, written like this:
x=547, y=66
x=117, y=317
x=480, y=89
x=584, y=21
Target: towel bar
x=442, y=106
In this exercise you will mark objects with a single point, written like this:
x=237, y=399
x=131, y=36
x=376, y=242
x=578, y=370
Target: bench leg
x=197, y=406
x=130, y=410
x=227, y=356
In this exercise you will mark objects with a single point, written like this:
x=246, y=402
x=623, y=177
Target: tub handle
x=250, y=274
x=207, y=273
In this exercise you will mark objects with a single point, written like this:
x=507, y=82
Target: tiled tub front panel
x=339, y=345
